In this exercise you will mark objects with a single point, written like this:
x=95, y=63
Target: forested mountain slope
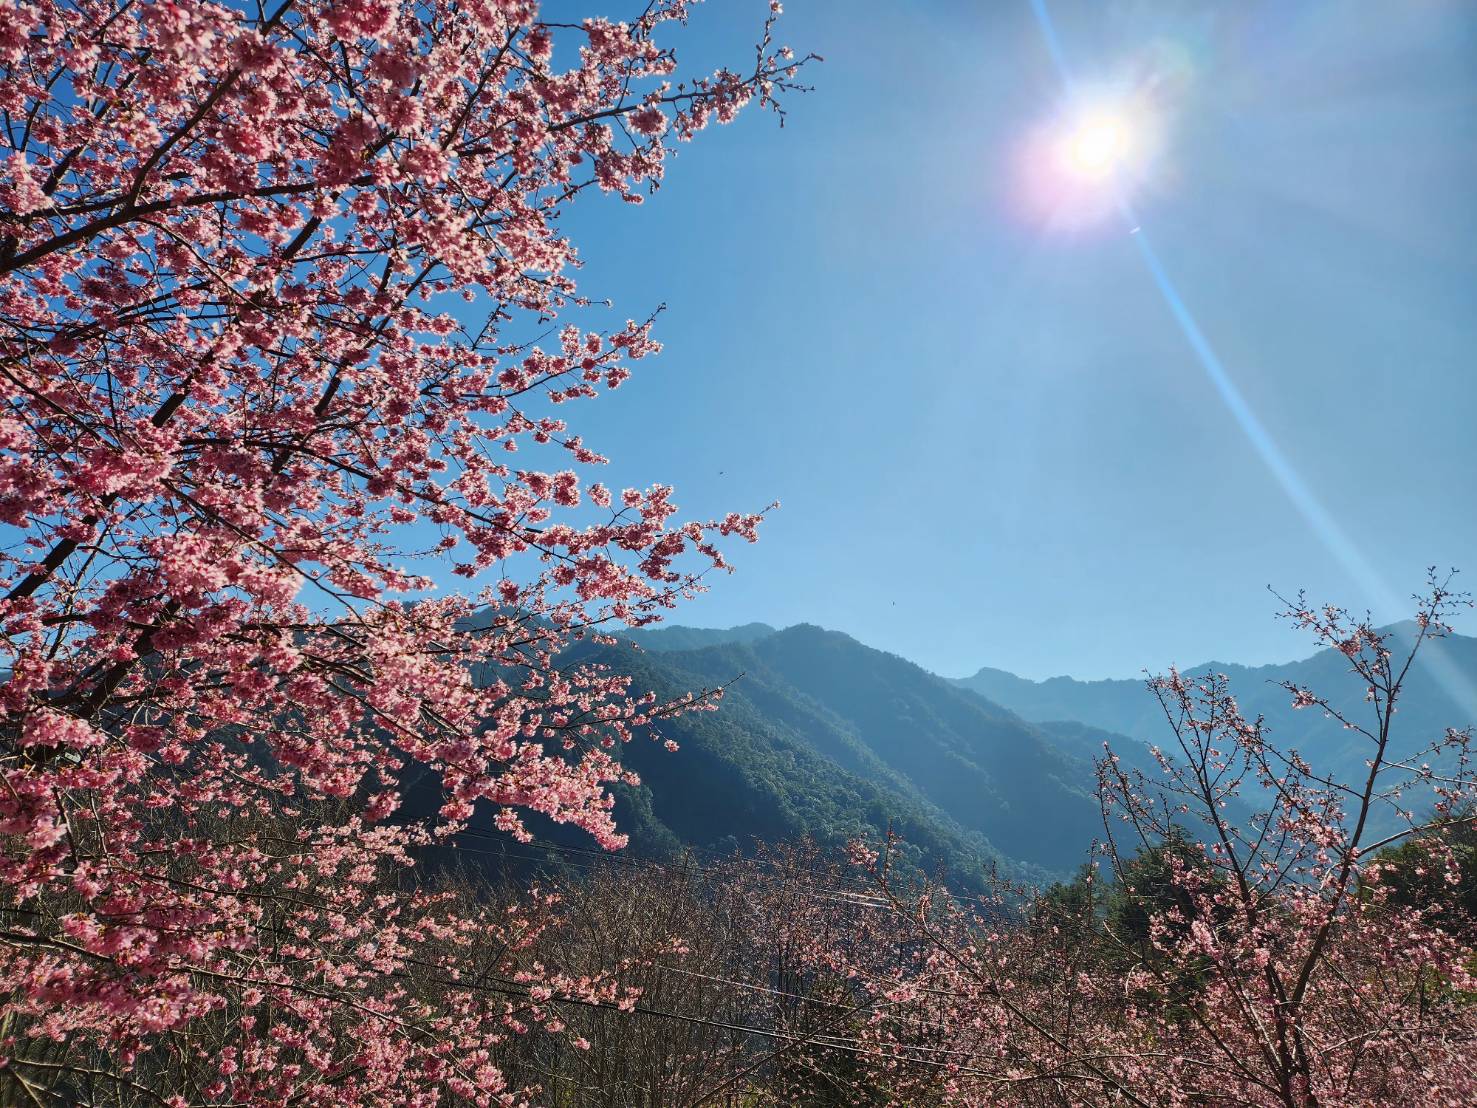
x=819, y=735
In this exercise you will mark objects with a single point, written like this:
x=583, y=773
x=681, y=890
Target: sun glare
x=1078, y=166
x=1097, y=145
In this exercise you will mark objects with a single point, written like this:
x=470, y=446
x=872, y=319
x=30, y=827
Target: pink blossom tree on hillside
x=237, y=399
x=1245, y=944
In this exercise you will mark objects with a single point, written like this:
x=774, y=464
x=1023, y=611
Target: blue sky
x=992, y=441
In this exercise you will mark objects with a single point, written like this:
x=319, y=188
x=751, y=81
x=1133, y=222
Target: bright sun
x=1096, y=145
x=1081, y=164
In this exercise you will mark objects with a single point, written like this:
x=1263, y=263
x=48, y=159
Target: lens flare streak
x=1096, y=145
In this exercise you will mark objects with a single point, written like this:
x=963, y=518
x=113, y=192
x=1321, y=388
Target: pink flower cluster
x=1239, y=941
x=249, y=409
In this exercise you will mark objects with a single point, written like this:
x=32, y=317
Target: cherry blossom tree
x=1247, y=938
x=283, y=303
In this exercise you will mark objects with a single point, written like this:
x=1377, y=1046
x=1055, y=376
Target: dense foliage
x=276, y=286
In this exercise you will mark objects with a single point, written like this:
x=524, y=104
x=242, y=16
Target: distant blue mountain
x=821, y=736
x=1440, y=692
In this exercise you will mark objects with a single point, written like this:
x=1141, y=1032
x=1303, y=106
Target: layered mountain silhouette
x=823, y=737
x=1440, y=692
x=1432, y=700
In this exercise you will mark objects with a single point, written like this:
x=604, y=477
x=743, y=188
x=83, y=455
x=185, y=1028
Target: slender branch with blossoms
x=1253, y=940
x=266, y=279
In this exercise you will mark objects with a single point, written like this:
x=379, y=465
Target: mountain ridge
x=1438, y=694
x=821, y=736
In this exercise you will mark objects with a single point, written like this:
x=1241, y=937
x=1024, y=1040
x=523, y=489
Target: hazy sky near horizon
x=993, y=441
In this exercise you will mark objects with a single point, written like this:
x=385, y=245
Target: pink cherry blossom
x=270, y=283
x=1261, y=957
